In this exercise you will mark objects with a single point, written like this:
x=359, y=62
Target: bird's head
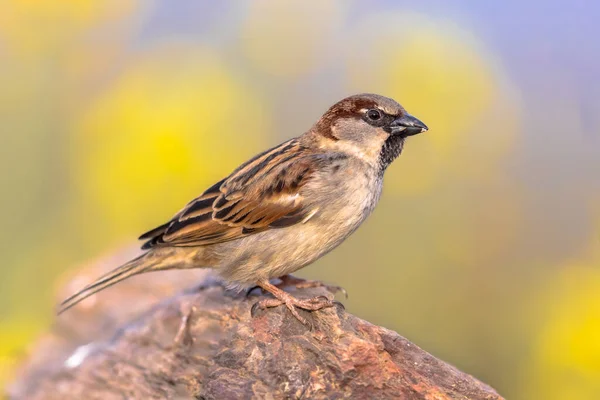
x=369, y=126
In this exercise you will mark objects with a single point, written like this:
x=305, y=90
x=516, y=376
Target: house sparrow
x=284, y=208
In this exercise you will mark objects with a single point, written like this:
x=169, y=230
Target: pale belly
x=277, y=252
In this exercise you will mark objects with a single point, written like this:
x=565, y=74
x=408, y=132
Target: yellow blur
x=111, y=125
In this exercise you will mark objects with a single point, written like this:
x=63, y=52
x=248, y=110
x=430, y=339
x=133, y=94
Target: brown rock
x=222, y=352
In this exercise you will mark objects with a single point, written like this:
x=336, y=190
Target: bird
x=284, y=208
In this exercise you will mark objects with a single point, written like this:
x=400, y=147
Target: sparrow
x=282, y=209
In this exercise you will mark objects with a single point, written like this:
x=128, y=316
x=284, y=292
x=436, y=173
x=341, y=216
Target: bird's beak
x=407, y=125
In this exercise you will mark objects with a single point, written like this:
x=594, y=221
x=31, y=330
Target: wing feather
x=262, y=194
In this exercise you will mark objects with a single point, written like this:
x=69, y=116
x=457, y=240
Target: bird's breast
x=348, y=200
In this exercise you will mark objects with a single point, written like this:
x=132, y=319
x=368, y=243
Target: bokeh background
x=485, y=249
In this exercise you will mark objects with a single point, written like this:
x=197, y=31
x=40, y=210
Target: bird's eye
x=373, y=114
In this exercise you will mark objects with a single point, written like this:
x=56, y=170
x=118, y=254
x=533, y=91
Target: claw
x=252, y=289
x=335, y=289
x=254, y=309
x=344, y=292
x=337, y=303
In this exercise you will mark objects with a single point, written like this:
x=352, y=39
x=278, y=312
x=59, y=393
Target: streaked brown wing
x=260, y=195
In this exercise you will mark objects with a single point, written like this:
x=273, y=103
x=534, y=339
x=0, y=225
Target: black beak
x=407, y=125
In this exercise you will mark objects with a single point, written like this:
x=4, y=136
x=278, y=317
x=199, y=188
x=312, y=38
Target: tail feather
x=136, y=266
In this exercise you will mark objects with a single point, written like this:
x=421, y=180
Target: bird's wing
x=262, y=194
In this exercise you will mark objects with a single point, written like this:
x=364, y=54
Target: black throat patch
x=390, y=151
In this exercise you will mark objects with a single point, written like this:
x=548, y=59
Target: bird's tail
x=143, y=263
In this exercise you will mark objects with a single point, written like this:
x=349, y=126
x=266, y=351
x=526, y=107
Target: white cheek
x=360, y=139
x=367, y=150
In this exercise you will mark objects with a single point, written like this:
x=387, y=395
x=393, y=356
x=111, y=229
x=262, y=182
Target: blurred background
x=485, y=249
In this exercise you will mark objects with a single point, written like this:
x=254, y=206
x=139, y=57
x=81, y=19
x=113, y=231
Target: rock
x=107, y=351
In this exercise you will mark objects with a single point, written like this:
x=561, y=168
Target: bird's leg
x=299, y=283
x=291, y=302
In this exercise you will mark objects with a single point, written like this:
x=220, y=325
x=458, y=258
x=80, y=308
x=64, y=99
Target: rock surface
x=131, y=347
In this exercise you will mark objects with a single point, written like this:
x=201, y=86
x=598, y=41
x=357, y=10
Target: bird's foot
x=291, y=302
x=299, y=283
